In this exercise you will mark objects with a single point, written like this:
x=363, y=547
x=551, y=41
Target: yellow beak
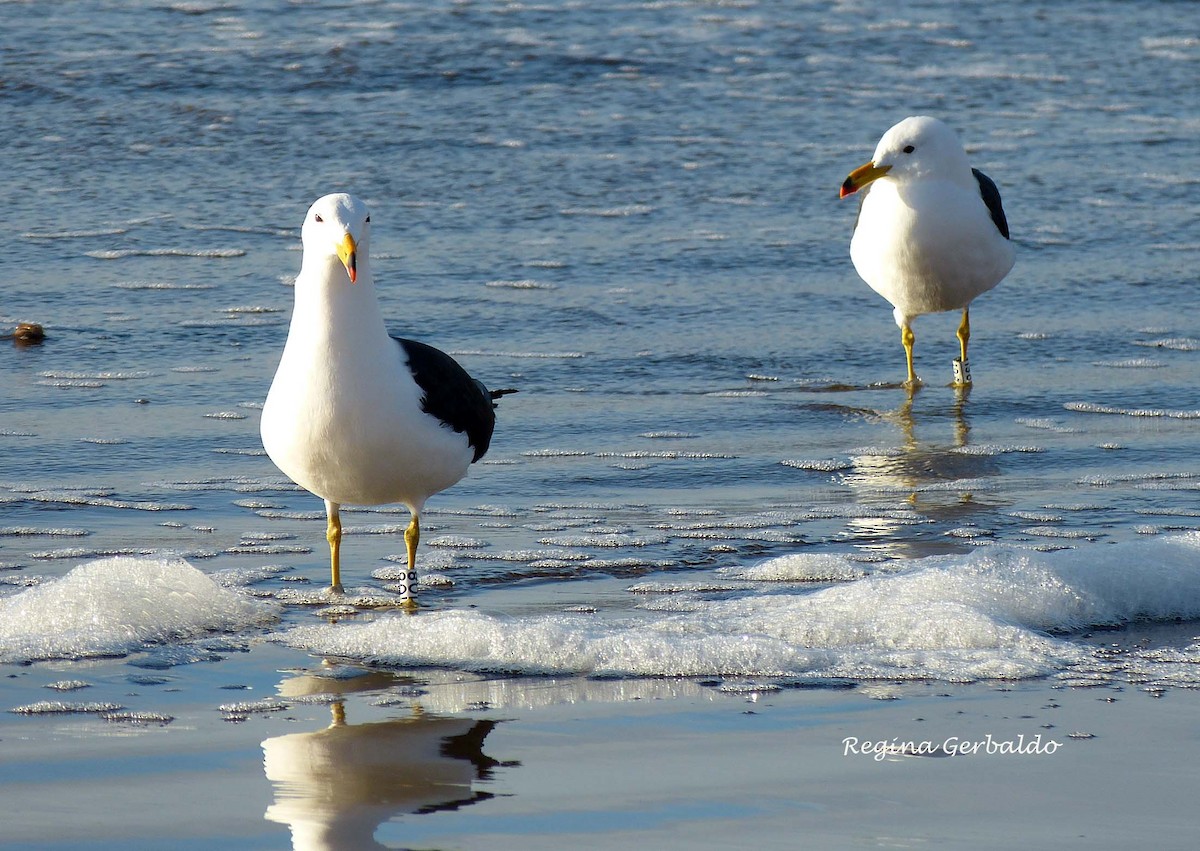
x=861, y=176
x=347, y=252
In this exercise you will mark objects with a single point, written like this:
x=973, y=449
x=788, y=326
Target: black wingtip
x=991, y=197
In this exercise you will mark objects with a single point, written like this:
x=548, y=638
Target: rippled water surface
x=629, y=212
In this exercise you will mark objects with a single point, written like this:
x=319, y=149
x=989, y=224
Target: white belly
x=928, y=249
x=350, y=429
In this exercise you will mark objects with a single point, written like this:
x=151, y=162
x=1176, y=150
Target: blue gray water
x=629, y=212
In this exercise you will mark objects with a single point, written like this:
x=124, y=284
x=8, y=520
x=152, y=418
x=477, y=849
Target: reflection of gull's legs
x=962, y=392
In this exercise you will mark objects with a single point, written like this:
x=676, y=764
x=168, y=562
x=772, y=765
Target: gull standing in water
x=355, y=415
x=931, y=234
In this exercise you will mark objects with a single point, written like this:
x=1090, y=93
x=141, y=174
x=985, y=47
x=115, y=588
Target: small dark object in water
x=26, y=334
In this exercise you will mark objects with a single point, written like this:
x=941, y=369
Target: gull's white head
x=337, y=225
x=919, y=146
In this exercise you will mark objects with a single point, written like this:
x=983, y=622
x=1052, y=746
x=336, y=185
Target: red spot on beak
x=347, y=252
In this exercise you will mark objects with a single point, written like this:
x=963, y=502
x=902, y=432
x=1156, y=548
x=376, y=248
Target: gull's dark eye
x=368, y=218
x=318, y=218
x=908, y=149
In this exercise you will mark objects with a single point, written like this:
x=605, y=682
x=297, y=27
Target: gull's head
x=338, y=225
x=917, y=147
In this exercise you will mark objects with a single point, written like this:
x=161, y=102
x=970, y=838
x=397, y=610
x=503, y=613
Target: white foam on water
x=607, y=541
x=83, y=552
x=95, y=497
x=1053, y=532
x=530, y=556
x=800, y=567
x=626, y=563
x=62, y=707
x=246, y=707
x=121, y=253
x=137, y=718
x=523, y=284
x=997, y=613
x=239, y=484
x=684, y=586
x=970, y=534
x=17, y=581
x=75, y=234
x=609, y=212
x=668, y=454
x=1092, y=408
x=1169, y=512
x=98, y=376
x=225, y=415
x=1037, y=516
x=161, y=285
x=115, y=606
x=86, y=384
x=454, y=542
x=68, y=685
x=1137, y=479
x=1178, y=344
x=819, y=465
x=31, y=531
x=254, y=308
x=1130, y=363
x=239, y=577
x=268, y=549
x=989, y=449
x=1046, y=424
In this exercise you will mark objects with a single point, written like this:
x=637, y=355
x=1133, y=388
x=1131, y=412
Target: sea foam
x=997, y=613
x=116, y=606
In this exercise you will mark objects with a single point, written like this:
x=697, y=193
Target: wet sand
x=339, y=758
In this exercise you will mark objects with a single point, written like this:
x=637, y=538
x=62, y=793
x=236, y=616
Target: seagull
x=931, y=234
x=354, y=415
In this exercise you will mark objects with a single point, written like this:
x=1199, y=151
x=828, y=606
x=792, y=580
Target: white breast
x=343, y=417
x=928, y=246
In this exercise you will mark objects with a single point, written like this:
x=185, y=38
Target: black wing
x=451, y=395
x=991, y=197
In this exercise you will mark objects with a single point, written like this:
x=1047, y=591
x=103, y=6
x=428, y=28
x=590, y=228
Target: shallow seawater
x=627, y=211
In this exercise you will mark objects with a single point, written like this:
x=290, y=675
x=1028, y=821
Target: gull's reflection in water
x=335, y=786
x=922, y=482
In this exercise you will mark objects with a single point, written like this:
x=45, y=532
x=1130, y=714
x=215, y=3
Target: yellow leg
x=907, y=338
x=962, y=370
x=964, y=332
x=412, y=537
x=333, y=534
